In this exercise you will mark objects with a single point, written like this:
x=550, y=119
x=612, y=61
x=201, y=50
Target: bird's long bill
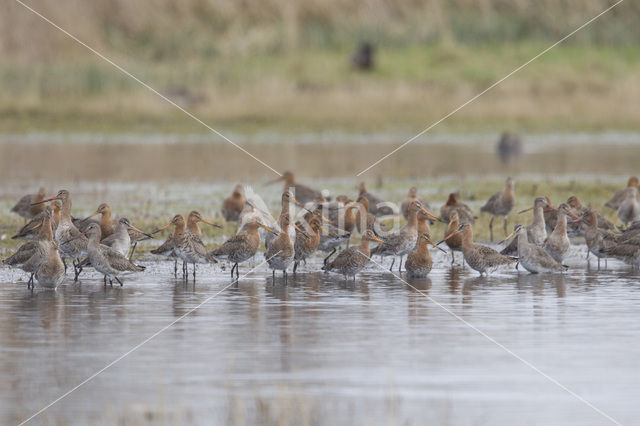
x=211, y=223
x=447, y=237
x=432, y=217
x=324, y=219
x=376, y=239
x=45, y=201
x=436, y=246
x=38, y=225
x=133, y=228
x=162, y=229
x=508, y=237
x=301, y=231
x=574, y=216
x=525, y=210
x=578, y=220
x=96, y=213
x=267, y=228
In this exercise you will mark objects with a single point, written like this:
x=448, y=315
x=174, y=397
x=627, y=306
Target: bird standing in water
x=419, y=262
x=353, y=260
x=500, y=204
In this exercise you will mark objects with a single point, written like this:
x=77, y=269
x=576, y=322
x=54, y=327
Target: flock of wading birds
x=55, y=236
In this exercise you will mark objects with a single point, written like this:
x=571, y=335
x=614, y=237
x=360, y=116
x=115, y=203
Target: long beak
x=301, y=231
x=45, y=201
x=267, y=228
x=377, y=239
x=161, y=229
x=508, y=237
x=525, y=210
x=38, y=225
x=573, y=215
x=80, y=235
x=432, y=217
x=578, y=220
x=96, y=213
x=431, y=242
x=321, y=228
x=133, y=228
x=211, y=223
x=324, y=219
x=447, y=237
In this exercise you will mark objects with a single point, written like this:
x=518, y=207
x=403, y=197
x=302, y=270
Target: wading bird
x=353, y=260
x=500, y=204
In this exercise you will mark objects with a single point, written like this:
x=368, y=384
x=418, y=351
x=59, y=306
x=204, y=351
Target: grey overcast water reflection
x=321, y=351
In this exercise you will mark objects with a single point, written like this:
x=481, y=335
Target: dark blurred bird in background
x=363, y=58
x=509, y=147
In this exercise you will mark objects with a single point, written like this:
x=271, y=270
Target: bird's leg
x=504, y=225
x=232, y=268
x=237, y=271
x=274, y=277
x=175, y=268
x=400, y=265
x=605, y=263
x=194, y=271
x=598, y=264
x=453, y=257
x=64, y=262
x=105, y=280
x=392, y=263
x=110, y=281
x=327, y=258
x=133, y=249
x=118, y=279
x=491, y=228
x=295, y=266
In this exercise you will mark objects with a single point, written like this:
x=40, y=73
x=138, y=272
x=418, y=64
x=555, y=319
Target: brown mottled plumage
x=302, y=193
x=412, y=196
x=480, y=258
x=353, y=260
x=241, y=247
x=306, y=244
x=536, y=231
x=374, y=202
x=534, y=258
x=32, y=228
x=558, y=244
x=452, y=237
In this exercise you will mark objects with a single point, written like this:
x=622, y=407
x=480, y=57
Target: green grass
x=572, y=88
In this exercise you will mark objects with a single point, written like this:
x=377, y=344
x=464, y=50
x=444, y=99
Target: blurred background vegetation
x=283, y=65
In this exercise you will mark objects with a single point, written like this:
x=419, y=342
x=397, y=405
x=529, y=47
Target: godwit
x=29, y=255
x=452, y=237
x=307, y=244
x=233, y=205
x=598, y=241
x=285, y=207
x=411, y=197
x=366, y=220
x=50, y=272
x=558, y=244
x=106, y=260
x=73, y=245
x=480, y=258
x=500, y=204
x=279, y=254
x=629, y=209
x=465, y=214
x=536, y=231
x=30, y=205
x=135, y=236
x=617, y=198
x=242, y=246
x=32, y=228
x=303, y=194
x=575, y=229
x=107, y=225
x=419, y=261
x=120, y=240
x=532, y=257
x=353, y=260
x=377, y=205
x=625, y=248
x=187, y=244
x=403, y=241
x=331, y=239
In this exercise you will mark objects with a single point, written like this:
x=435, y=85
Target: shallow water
x=322, y=351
